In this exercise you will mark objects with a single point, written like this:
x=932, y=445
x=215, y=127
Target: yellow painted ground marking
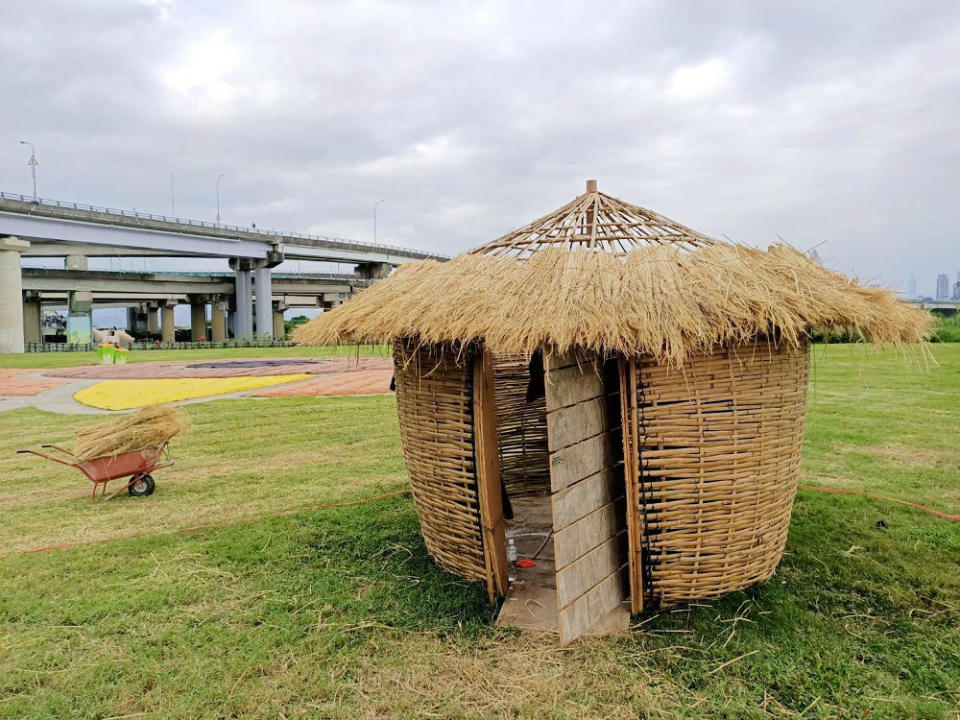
x=129, y=394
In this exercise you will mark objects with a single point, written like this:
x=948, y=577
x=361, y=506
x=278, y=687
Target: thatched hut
x=615, y=382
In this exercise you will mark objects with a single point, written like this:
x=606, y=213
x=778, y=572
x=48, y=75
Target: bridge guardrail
x=150, y=345
x=355, y=244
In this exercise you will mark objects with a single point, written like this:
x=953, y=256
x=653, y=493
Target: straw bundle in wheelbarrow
x=153, y=425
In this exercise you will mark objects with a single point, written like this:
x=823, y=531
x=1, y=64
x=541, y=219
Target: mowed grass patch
x=73, y=359
x=339, y=613
x=877, y=422
x=241, y=458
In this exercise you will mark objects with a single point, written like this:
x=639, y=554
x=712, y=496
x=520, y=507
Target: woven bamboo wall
x=521, y=428
x=719, y=459
x=434, y=404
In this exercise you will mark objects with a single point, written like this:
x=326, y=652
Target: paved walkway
x=361, y=382
x=53, y=390
x=21, y=383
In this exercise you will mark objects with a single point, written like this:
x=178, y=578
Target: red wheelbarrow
x=135, y=464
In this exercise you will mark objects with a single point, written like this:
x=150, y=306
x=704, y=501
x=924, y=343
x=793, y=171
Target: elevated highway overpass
x=76, y=231
x=57, y=228
x=151, y=297
x=941, y=307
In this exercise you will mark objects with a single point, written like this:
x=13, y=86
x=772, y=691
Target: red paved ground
x=226, y=368
x=336, y=376
x=361, y=382
x=15, y=382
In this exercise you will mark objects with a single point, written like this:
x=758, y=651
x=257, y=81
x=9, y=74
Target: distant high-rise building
x=943, y=287
x=912, y=288
x=956, y=290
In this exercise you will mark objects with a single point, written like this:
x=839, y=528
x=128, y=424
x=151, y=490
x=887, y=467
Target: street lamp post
x=218, y=197
x=32, y=162
x=375, y=220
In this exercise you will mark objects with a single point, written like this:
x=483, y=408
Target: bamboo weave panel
x=719, y=447
x=435, y=409
x=521, y=428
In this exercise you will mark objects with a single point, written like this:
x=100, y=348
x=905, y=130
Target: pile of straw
x=153, y=425
x=659, y=301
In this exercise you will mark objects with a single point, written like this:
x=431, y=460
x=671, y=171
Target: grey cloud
x=818, y=121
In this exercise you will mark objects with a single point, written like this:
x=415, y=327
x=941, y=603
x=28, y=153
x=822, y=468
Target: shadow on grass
x=369, y=566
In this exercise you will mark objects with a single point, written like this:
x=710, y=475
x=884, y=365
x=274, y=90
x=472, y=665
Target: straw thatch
x=614, y=277
x=659, y=301
x=149, y=427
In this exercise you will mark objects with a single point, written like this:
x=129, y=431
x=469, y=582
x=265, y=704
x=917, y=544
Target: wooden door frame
x=630, y=424
x=489, y=493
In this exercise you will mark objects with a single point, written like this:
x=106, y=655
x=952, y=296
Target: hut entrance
x=530, y=602
x=562, y=472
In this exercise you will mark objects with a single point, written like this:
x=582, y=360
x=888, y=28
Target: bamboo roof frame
x=595, y=220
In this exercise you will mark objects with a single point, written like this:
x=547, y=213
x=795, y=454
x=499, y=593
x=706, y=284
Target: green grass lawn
x=339, y=613
x=72, y=359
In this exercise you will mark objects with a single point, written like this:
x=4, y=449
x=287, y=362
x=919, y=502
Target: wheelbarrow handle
x=57, y=447
x=49, y=457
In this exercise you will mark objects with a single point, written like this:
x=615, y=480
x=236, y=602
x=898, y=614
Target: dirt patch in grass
x=27, y=499
x=834, y=481
x=913, y=456
x=506, y=676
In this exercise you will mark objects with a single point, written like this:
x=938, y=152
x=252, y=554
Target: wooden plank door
x=587, y=495
x=488, y=475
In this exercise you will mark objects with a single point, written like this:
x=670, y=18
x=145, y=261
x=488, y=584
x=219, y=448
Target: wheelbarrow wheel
x=141, y=486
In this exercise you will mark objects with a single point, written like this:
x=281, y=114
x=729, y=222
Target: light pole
x=32, y=162
x=218, y=197
x=375, y=220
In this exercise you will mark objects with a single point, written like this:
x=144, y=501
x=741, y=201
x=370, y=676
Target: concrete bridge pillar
x=279, y=330
x=80, y=317
x=137, y=319
x=198, y=318
x=11, y=294
x=32, y=318
x=373, y=270
x=243, y=297
x=264, y=301
x=167, y=327
x=153, y=319
x=218, y=321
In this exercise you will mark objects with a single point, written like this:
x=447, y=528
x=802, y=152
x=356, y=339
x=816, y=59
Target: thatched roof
x=606, y=275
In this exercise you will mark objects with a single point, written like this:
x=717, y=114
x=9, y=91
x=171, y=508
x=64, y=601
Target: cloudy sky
x=827, y=123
